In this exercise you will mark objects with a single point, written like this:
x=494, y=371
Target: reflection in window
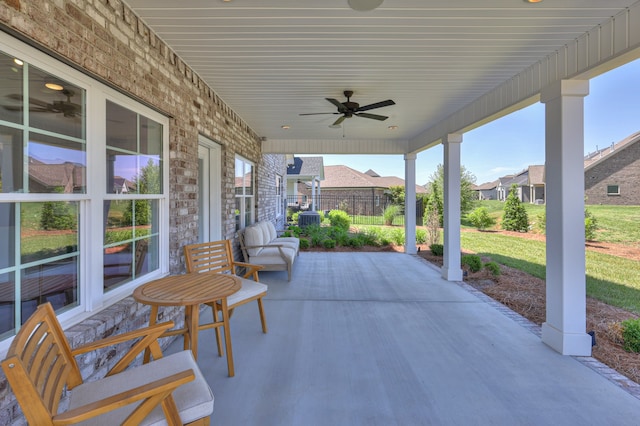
x=134, y=156
x=244, y=193
x=11, y=167
x=130, y=240
x=56, y=165
x=11, y=75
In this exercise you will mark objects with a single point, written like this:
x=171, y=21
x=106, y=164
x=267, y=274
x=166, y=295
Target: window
x=279, y=198
x=613, y=190
x=54, y=201
x=244, y=190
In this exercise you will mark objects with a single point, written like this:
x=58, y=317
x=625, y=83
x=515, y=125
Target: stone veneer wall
x=109, y=42
x=620, y=168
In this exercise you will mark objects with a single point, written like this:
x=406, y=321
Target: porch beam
x=564, y=328
x=451, y=269
x=410, y=203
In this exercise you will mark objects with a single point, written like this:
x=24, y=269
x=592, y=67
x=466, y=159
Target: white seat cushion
x=271, y=230
x=194, y=399
x=248, y=290
x=264, y=227
x=272, y=256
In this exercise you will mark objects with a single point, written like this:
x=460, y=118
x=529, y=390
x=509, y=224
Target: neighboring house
x=65, y=177
x=304, y=175
x=356, y=192
x=487, y=190
x=122, y=185
x=537, y=184
x=521, y=180
x=611, y=175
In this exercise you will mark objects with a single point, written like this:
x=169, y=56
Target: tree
x=480, y=218
x=436, y=192
x=397, y=195
x=515, y=216
x=148, y=182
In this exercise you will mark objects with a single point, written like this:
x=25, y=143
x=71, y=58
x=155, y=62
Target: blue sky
x=510, y=144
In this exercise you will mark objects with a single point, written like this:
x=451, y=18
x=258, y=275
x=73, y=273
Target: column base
x=577, y=344
x=452, y=274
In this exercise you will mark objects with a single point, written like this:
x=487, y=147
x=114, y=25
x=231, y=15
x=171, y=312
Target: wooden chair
x=40, y=364
x=217, y=256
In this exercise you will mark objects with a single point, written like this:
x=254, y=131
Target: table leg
x=153, y=318
x=227, y=336
x=191, y=320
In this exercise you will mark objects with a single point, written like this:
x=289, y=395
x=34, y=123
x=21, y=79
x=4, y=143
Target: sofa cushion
x=193, y=399
x=271, y=230
x=253, y=237
x=266, y=236
x=272, y=256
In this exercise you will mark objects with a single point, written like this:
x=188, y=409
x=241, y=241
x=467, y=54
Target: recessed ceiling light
x=285, y=127
x=53, y=86
x=364, y=5
x=533, y=1
x=392, y=127
x=18, y=61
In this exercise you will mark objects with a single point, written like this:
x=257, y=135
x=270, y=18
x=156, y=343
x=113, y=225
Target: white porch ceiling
x=447, y=64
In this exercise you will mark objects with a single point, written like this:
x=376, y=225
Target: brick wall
x=110, y=43
x=622, y=169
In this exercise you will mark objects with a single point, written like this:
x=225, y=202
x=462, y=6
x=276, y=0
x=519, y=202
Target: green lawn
x=614, y=280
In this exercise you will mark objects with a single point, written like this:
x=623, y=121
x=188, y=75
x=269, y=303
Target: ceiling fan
x=348, y=109
x=66, y=107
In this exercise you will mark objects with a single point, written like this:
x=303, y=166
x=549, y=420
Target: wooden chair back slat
x=210, y=256
x=40, y=359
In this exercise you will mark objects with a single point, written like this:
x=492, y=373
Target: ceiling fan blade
x=32, y=101
x=338, y=121
x=337, y=103
x=372, y=116
x=319, y=113
x=388, y=102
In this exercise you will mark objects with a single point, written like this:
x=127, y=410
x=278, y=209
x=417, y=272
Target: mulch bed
x=526, y=295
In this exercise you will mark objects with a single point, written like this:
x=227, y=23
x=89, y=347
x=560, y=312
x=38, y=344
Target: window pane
x=7, y=235
x=146, y=217
x=48, y=229
x=55, y=282
x=56, y=165
x=11, y=75
x=150, y=137
x=119, y=222
x=248, y=180
x=55, y=105
x=149, y=177
x=7, y=305
x=122, y=127
x=121, y=171
x=247, y=211
x=239, y=177
x=11, y=164
x=118, y=265
x=147, y=256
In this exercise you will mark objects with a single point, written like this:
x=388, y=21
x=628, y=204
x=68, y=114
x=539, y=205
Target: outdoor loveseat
x=261, y=245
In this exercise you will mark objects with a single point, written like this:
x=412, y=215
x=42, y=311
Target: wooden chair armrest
x=148, y=339
x=154, y=393
x=250, y=269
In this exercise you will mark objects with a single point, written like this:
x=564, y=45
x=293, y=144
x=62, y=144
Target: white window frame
x=279, y=196
x=90, y=229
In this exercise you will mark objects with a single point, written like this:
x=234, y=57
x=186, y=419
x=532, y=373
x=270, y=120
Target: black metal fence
x=364, y=210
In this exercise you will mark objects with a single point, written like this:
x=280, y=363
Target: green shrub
x=397, y=236
x=541, y=222
x=370, y=238
x=57, y=215
x=294, y=217
x=631, y=335
x=437, y=249
x=340, y=219
x=471, y=261
x=390, y=213
x=493, y=267
x=480, y=218
x=421, y=236
x=304, y=243
x=515, y=215
x=329, y=243
x=590, y=226
x=355, y=241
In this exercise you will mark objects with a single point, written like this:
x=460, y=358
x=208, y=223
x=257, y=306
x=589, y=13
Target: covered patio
x=382, y=338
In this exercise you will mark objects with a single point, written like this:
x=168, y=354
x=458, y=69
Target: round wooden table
x=191, y=290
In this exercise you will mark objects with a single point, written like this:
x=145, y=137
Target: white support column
x=564, y=329
x=313, y=194
x=410, y=203
x=319, y=195
x=451, y=269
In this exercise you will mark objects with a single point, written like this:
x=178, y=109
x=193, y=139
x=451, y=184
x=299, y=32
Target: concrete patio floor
x=381, y=339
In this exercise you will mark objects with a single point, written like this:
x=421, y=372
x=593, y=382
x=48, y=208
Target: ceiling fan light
x=364, y=5
x=54, y=86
